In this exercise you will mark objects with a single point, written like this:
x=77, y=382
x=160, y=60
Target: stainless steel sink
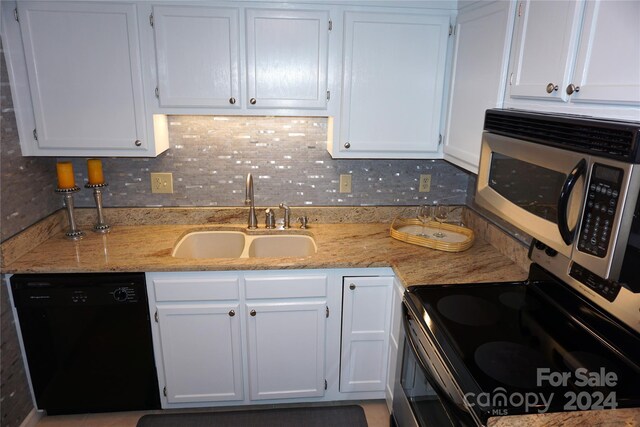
x=235, y=244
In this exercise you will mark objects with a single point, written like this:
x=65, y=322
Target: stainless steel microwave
x=571, y=182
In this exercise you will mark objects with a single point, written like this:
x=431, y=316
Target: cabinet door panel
x=392, y=83
x=197, y=51
x=201, y=352
x=286, y=349
x=83, y=62
x=608, y=62
x=287, y=58
x=365, y=333
x=481, y=53
x=544, y=45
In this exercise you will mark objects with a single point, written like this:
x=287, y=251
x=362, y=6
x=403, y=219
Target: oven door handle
x=461, y=416
x=563, y=203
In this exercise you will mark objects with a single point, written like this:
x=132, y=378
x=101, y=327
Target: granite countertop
x=148, y=248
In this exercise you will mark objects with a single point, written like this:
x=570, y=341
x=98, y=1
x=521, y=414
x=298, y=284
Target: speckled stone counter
x=607, y=418
x=148, y=248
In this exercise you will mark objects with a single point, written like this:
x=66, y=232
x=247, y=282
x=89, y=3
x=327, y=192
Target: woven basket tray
x=458, y=238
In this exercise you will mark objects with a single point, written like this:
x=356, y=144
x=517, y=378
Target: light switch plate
x=345, y=183
x=162, y=182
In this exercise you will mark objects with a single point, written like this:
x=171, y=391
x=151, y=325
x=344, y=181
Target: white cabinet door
x=201, y=351
x=366, y=312
x=287, y=58
x=608, y=62
x=84, y=69
x=545, y=40
x=481, y=56
x=286, y=349
x=197, y=53
x=393, y=78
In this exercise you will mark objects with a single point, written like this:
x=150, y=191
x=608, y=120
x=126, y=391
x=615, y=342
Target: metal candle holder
x=67, y=194
x=101, y=226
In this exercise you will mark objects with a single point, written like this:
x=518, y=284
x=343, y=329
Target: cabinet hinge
x=511, y=79
x=451, y=30
x=328, y=95
x=156, y=316
x=164, y=391
x=35, y=134
x=15, y=14
x=440, y=139
x=325, y=384
x=330, y=25
x=157, y=92
x=520, y=9
x=151, y=20
x=327, y=312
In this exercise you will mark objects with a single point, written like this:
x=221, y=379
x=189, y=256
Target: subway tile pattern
x=209, y=158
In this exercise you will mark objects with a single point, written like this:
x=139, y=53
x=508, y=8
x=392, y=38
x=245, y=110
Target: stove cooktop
x=537, y=345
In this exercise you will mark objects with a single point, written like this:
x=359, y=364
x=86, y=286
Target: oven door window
x=426, y=405
x=531, y=187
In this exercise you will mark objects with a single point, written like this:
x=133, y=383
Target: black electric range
x=523, y=347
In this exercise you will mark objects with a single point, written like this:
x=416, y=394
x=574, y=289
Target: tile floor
x=375, y=411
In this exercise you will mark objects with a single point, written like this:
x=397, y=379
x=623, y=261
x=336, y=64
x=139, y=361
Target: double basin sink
x=236, y=244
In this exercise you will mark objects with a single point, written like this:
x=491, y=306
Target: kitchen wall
x=26, y=186
x=210, y=157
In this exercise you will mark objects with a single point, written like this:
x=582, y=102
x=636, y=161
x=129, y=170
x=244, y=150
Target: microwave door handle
x=563, y=203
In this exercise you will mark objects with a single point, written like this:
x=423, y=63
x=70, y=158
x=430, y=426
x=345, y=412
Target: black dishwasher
x=87, y=339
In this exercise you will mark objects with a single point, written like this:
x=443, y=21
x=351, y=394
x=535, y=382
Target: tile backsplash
x=209, y=157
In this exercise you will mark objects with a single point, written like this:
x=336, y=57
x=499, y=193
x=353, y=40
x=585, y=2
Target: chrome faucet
x=287, y=216
x=252, y=222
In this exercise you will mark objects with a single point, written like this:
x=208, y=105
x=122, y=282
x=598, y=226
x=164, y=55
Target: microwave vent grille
x=607, y=138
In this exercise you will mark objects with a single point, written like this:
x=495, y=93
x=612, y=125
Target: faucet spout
x=252, y=222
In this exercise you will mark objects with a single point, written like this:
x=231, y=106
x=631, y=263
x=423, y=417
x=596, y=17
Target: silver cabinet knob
x=347, y=145
x=232, y=100
x=572, y=88
x=551, y=88
x=232, y=313
x=252, y=101
x=253, y=313
x=352, y=286
x=138, y=143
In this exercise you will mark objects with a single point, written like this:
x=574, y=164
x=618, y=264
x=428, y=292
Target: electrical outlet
x=425, y=184
x=345, y=183
x=162, y=182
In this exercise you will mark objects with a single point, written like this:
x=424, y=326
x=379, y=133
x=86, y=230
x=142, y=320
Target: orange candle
x=96, y=176
x=65, y=175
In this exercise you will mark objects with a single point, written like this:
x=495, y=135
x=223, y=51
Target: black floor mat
x=319, y=416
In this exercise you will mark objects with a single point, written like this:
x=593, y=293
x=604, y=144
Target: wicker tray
x=406, y=230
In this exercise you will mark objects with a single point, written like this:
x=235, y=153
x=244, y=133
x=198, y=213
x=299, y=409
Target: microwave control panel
x=602, y=200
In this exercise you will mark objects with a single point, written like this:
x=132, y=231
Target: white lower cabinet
x=286, y=349
x=201, y=352
x=261, y=337
x=366, y=312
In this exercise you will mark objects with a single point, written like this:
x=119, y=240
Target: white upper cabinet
x=287, y=54
x=583, y=54
x=480, y=63
x=211, y=61
x=392, y=87
x=85, y=77
x=544, y=45
x=198, y=56
x=608, y=63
